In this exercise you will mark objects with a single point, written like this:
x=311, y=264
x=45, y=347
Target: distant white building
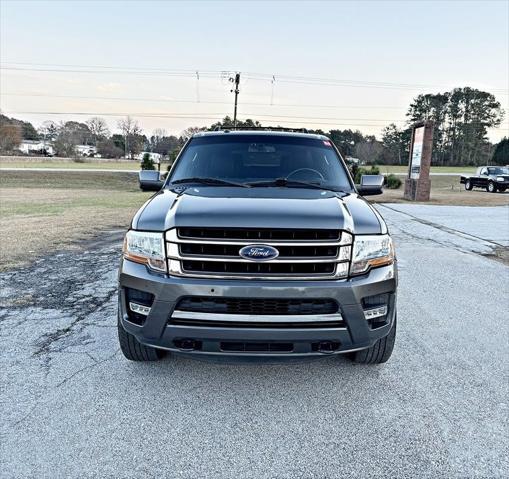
x=36, y=147
x=155, y=157
x=352, y=160
x=86, y=150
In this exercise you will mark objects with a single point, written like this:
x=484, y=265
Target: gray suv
x=258, y=244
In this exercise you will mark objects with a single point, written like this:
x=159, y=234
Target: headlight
x=370, y=252
x=145, y=248
x=500, y=178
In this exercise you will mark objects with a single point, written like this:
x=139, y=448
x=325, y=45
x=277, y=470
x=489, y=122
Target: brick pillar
x=418, y=184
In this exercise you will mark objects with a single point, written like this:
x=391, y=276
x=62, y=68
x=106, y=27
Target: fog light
x=139, y=308
x=375, y=312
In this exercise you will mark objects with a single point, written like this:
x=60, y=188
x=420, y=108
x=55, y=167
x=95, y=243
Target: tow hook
x=187, y=344
x=327, y=347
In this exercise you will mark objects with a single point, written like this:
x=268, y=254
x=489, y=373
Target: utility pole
x=236, y=91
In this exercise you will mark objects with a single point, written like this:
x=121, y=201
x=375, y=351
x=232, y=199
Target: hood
x=257, y=208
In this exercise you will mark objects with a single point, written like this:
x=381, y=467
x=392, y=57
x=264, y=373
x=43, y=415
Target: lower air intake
x=256, y=347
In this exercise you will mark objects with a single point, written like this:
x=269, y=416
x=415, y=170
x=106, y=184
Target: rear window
x=248, y=158
x=498, y=171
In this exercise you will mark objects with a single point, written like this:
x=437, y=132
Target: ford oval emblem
x=259, y=252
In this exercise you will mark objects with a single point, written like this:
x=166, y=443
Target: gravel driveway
x=72, y=406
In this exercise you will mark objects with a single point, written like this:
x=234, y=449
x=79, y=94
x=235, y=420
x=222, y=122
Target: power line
x=167, y=100
x=178, y=74
x=123, y=72
x=192, y=115
x=191, y=71
x=74, y=68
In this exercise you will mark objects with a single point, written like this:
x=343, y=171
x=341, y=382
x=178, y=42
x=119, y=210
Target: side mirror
x=150, y=180
x=370, y=185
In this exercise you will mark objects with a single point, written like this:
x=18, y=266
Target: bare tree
x=129, y=126
x=66, y=142
x=157, y=137
x=99, y=128
x=368, y=151
x=159, y=133
x=10, y=137
x=132, y=133
x=107, y=149
x=189, y=132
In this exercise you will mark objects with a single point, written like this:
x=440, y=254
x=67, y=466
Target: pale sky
x=66, y=60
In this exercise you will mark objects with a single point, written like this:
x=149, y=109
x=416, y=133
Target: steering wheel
x=306, y=169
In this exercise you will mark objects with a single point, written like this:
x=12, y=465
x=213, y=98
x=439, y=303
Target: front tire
x=133, y=350
x=380, y=352
x=491, y=188
x=468, y=185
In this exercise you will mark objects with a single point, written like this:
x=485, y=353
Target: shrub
x=392, y=182
x=147, y=163
x=108, y=149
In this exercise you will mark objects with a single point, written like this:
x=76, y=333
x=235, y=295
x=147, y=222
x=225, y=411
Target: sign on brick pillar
x=418, y=184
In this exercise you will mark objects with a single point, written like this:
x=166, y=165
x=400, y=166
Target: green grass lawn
x=135, y=166
x=72, y=165
x=51, y=193
x=93, y=200
x=42, y=211
x=458, y=170
x=70, y=180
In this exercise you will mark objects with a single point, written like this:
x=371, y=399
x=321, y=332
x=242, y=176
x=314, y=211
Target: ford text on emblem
x=259, y=252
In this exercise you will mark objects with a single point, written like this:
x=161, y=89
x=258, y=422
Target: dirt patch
x=37, y=220
x=25, y=238
x=499, y=254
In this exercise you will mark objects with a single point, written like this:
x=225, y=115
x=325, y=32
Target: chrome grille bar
x=260, y=318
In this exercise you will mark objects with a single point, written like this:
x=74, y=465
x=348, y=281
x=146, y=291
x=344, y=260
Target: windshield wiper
x=208, y=181
x=289, y=183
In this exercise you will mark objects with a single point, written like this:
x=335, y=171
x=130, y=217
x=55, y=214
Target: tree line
x=65, y=136
x=461, y=119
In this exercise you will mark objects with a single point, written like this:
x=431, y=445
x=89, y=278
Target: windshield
x=262, y=158
x=498, y=171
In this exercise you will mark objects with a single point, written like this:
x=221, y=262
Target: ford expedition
x=258, y=244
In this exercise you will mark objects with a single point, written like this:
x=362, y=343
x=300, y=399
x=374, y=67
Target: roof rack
x=262, y=128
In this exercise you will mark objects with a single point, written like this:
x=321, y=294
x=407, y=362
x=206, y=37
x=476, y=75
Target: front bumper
x=356, y=333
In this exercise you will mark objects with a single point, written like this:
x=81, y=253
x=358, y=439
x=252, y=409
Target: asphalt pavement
x=72, y=406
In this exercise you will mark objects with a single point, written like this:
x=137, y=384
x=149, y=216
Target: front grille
x=191, y=249
x=258, y=268
x=257, y=306
x=302, y=253
x=259, y=234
